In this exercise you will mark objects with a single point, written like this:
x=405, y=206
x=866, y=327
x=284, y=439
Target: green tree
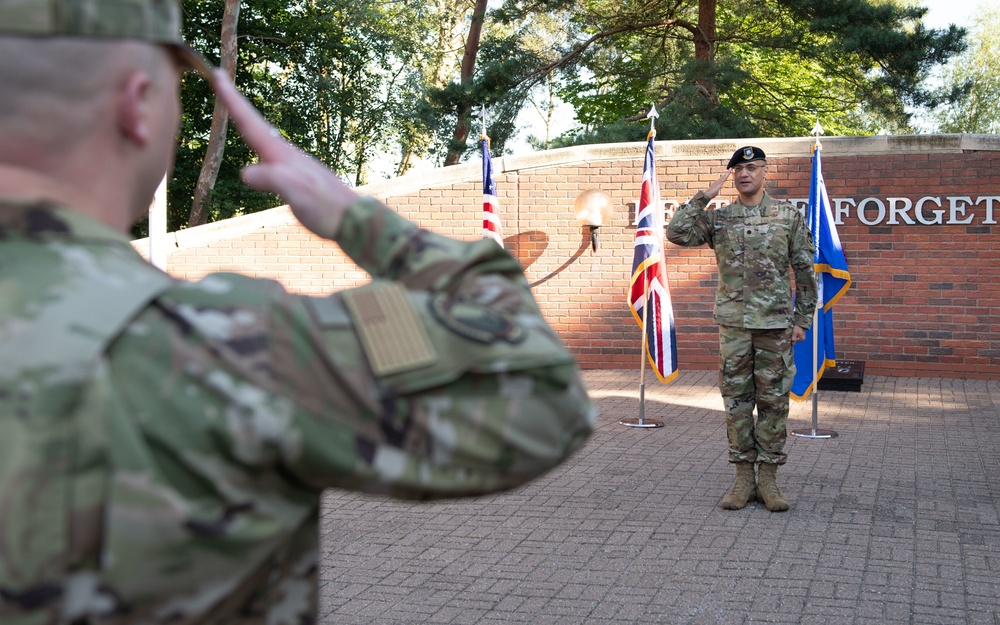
x=341, y=91
x=353, y=80
x=469, y=55
x=977, y=73
x=763, y=68
x=505, y=76
x=220, y=118
x=445, y=25
x=338, y=77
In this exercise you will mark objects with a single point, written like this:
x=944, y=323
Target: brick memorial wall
x=917, y=216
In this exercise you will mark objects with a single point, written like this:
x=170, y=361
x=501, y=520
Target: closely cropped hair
x=52, y=86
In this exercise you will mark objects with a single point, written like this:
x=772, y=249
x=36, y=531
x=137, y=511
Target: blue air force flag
x=833, y=279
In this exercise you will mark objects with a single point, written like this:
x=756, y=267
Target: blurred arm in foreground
x=164, y=444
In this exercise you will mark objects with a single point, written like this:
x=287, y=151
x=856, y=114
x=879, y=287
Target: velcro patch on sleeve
x=391, y=333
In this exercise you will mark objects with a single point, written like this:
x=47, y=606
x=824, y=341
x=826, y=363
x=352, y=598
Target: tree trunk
x=406, y=162
x=220, y=120
x=433, y=72
x=704, y=46
x=468, y=69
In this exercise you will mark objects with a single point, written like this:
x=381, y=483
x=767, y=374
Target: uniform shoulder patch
x=475, y=322
x=391, y=333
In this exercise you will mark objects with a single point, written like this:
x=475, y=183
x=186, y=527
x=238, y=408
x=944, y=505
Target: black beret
x=746, y=155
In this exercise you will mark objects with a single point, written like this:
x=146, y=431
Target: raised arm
x=440, y=378
x=691, y=224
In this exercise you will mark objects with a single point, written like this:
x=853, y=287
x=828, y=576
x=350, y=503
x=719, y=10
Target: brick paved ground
x=895, y=521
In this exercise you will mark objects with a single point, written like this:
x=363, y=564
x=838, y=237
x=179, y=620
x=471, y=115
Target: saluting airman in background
x=755, y=239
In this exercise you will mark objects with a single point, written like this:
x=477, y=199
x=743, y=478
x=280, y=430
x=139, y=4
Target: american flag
x=648, y=290
x=491, y=217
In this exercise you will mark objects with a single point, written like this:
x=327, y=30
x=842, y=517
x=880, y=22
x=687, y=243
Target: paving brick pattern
x=895, y=521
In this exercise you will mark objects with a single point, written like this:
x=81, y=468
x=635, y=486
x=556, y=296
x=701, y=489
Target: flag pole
x=642, y=351
x=816, y=432
x=641, y=422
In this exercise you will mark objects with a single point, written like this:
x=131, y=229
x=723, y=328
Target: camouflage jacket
x=164, y=444
x=754, y=248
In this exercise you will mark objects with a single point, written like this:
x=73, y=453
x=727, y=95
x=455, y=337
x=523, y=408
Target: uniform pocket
x=728, y=241
x=773, y=239
x=786, y=384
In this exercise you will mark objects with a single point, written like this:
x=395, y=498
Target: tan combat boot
x=743, y=489
x=767, y=488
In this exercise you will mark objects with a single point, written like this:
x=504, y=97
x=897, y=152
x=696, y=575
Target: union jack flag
x=648, y=290
x=491, y=207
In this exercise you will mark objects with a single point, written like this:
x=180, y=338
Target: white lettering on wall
x=958, y=206
x=842, y=211
x=861, y=211
x=938, y=213
x=873, y=211
x=989, y=199
x=903, y=212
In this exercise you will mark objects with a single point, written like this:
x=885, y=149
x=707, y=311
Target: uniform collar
x=760, y=209
x=46, y=220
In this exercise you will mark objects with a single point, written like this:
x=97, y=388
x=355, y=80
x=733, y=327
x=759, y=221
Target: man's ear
x=134, y=108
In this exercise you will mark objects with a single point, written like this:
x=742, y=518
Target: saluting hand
x=317, y=196
x=715, y=187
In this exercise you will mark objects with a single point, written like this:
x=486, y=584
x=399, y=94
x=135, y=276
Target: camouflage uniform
x=164, y=444
x=754, y=247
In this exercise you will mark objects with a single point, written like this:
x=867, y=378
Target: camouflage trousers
x=284, y=591
x=756, y=367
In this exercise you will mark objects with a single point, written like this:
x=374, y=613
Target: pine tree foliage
x=352, y=81
x=775, y=66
